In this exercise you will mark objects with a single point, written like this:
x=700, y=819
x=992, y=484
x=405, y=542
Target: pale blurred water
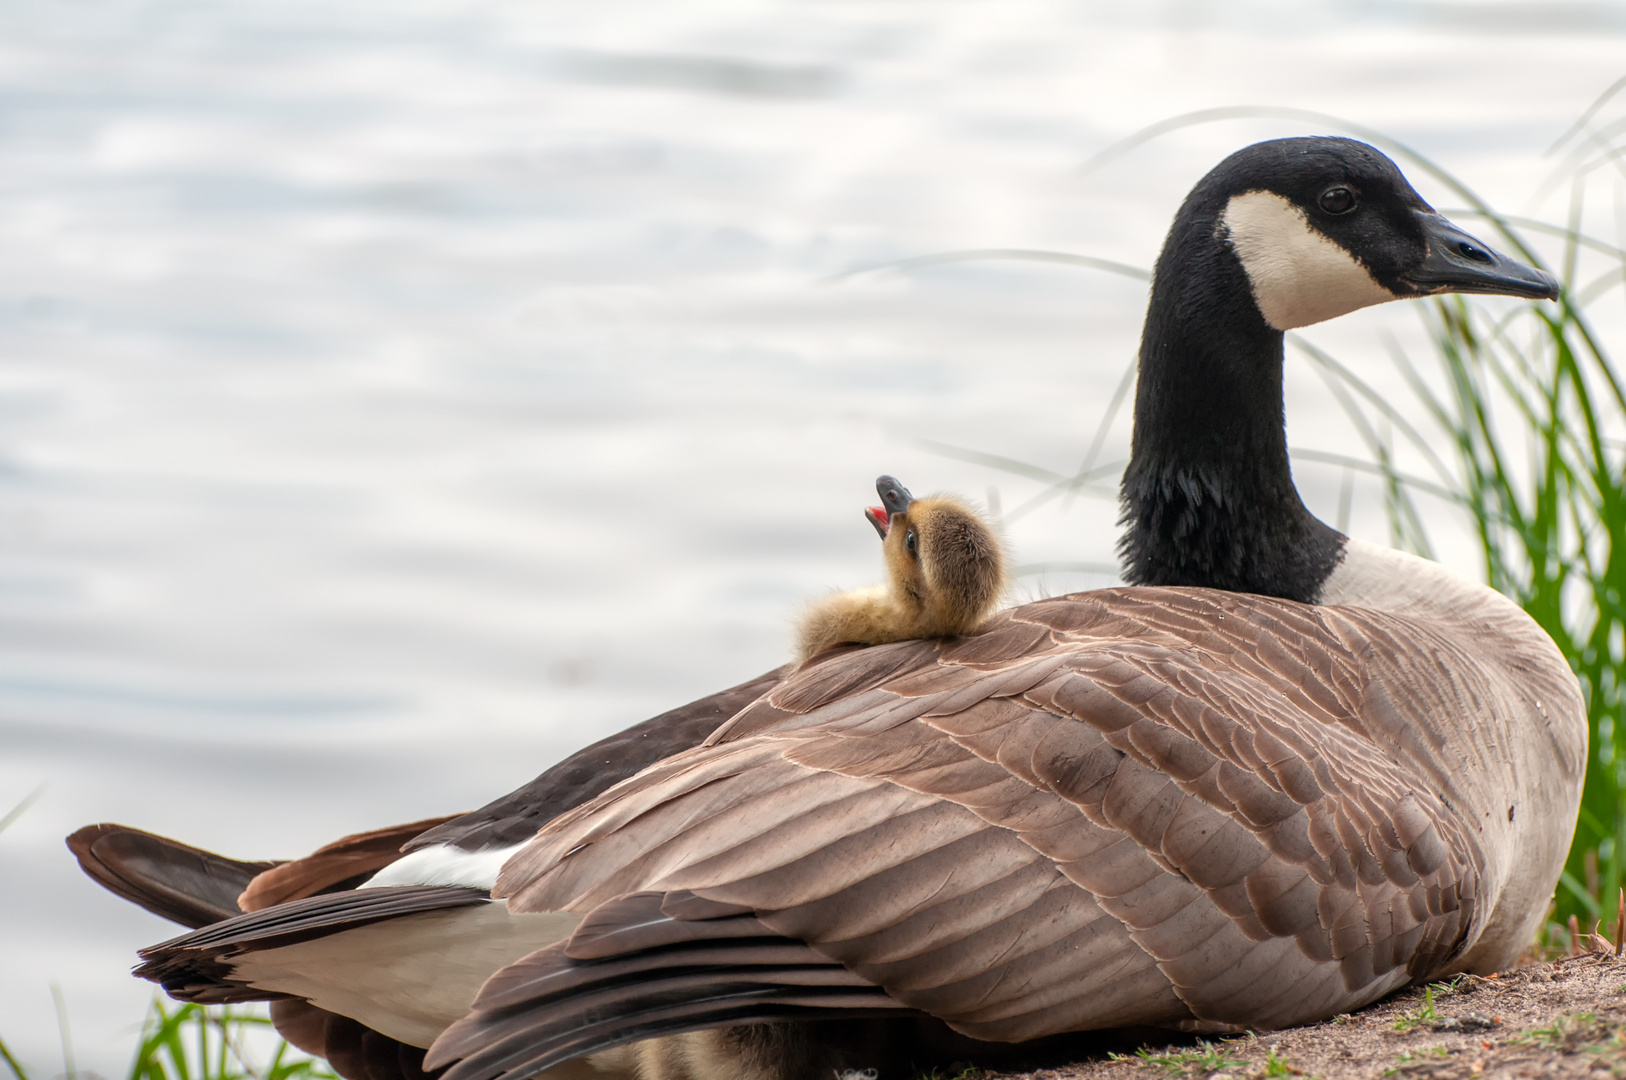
x=397, y=396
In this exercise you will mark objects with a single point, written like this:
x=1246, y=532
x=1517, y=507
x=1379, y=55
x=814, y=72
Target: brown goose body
x=1121, y=807
x=1172, y=804
x=1176, y=807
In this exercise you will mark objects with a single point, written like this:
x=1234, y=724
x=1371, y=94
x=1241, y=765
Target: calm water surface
x=396, y=396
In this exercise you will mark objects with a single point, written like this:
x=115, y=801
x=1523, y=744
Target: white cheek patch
x=1298, y=275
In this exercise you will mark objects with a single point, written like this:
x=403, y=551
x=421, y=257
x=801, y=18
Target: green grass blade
x=11, y=1062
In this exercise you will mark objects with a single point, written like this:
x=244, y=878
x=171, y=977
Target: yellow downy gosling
x=946, y=570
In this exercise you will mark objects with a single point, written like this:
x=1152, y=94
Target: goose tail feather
x=197, y=967
x=174, y=881
x=589, y=994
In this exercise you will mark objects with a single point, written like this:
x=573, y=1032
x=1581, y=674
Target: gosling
x=945, y=572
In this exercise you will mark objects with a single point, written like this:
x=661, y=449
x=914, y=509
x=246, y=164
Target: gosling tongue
x=878, y=518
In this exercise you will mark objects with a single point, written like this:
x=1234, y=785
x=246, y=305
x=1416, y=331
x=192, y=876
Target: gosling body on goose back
x=1279, y=775
x=945, y=572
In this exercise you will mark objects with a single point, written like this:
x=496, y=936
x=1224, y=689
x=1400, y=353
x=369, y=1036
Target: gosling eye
x=911, y=544
x=1337, y=200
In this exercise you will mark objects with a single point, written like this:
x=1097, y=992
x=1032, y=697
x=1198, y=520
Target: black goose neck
x=1208, y=497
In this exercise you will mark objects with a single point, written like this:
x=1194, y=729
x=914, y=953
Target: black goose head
x=1323, y=226
x=1279, y=235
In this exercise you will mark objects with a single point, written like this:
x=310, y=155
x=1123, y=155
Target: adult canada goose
x=945, y=572
x=1278, y=776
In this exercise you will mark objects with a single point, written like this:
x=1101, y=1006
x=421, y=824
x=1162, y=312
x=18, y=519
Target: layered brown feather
x=197, y=966
x=345, y=863
x=174, y=881
x=1170, y=806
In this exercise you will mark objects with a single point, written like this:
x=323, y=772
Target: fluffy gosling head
x=944, y=564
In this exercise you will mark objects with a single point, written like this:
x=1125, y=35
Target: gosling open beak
x=1456, y=262
x=895, y=499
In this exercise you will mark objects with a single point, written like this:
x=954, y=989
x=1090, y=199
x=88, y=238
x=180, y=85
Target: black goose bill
x=895, y=499
x=1456, y=262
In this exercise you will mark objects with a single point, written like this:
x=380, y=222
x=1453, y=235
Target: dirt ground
x=1564, y=1019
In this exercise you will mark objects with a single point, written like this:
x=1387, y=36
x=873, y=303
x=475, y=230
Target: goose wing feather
x=1171, y=806
x=175, y=881
x=344, y=863
x=651, y=964
x=354, y=1050
x=196, y=966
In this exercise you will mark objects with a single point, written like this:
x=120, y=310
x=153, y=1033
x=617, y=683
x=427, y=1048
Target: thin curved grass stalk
x=1329, y=365
x=1082, y=480
x=944, y=258
x=11, y=1062
x=1081, y=483
x=993, y=461
x=1254, y=112
x=1536, y=225
x=1586, y=116
x=1576, y=163
x=1059, y=566
x=1120, y=394
x=1378, y=469
x=1056, y=483
x=1406, y=525
x=10, y=816
x=69, y=1069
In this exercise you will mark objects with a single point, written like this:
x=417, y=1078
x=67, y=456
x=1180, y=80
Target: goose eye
x=1338, y=200
x=910, y=544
